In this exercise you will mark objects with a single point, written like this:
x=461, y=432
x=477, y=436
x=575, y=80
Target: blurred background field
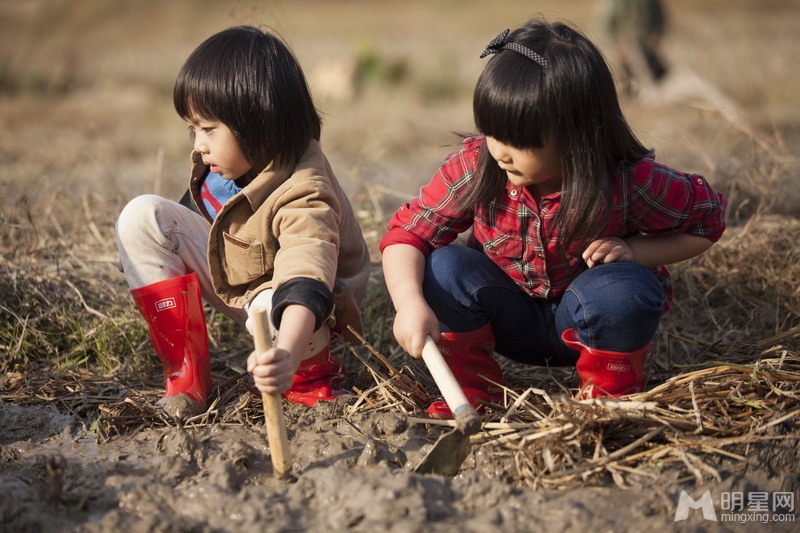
x=85, y=87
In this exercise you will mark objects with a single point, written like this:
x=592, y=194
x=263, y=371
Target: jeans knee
x=453, y=276
x=447, y=258
x=616, y=308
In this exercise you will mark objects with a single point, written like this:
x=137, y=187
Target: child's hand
x=413, y=322
x=273, y=370
x=607, y=250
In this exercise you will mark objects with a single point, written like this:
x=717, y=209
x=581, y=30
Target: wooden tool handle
x=467, y=419
x=273, y=405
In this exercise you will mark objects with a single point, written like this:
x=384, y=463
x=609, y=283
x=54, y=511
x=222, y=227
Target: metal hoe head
x=452, y=448
x=446, y=456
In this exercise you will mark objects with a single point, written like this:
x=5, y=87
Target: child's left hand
x=607, y=250
x=273, y=370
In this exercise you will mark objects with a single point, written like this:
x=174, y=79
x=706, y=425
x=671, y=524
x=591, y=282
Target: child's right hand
x=412, y=323
x=607, y=250
x=273, y=370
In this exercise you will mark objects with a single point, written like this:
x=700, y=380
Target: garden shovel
x=447, y=454
x=273, y=404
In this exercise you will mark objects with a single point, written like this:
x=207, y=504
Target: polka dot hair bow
x=499, y=43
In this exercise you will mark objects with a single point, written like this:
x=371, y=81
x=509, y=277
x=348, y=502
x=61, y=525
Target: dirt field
x=86, y=123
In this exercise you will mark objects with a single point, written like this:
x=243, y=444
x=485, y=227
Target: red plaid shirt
x=523, y=240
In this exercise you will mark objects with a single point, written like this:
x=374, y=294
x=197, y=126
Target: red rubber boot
x=469, y=356
x=607, y=373
x=315, y=379
x=173, y=309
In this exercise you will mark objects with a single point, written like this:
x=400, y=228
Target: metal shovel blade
x=446, y=456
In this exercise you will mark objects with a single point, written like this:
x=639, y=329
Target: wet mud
x=350, y=475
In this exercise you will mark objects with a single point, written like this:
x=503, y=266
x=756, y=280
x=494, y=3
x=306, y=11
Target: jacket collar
x=268, y=180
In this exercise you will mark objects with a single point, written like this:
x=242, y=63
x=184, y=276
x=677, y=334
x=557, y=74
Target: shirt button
x=513, y=192
x=699, y=181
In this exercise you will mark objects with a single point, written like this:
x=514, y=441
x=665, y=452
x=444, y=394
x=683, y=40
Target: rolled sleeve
x=708, y=217
x=397, y=235
x=666, y=201
x=307, y=292
x=433, y=219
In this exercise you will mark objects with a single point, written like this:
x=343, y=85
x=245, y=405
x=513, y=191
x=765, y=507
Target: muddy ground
x=87, y=123
x=350, y=477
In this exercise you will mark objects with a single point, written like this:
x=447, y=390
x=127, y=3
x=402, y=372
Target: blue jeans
x=614, y=306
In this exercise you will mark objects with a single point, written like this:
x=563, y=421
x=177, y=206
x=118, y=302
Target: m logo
x=166, y=303
x=686, y=502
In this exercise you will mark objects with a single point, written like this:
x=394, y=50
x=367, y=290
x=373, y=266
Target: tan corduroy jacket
x=287, y=223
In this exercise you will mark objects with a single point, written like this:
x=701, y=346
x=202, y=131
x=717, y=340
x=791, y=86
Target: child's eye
x=207, y=129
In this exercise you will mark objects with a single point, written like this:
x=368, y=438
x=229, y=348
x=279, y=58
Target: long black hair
x=249, y=80
x=572, y=102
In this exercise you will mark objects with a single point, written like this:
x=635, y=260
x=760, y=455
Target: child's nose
x=503, y=158
x=200, y=145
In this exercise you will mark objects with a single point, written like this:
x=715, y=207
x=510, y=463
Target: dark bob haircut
x=572, y=103
x=250, y=81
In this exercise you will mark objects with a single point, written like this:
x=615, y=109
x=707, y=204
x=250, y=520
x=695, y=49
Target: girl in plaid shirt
x=570, y=222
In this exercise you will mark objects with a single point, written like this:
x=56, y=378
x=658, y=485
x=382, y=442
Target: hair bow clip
x=496, y=45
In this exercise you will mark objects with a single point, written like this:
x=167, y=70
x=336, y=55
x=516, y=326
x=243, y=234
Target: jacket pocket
x=244, y=261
